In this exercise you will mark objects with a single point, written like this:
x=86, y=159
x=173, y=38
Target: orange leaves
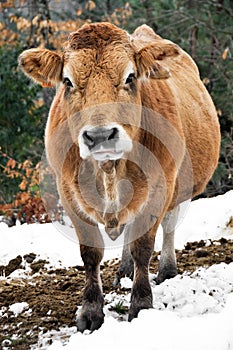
x=61, y=30
x=21, y=199
x=27, y=206
x=33, y=211
x=90, y=5
x=29, y=172
x=22, y=24
x=79, y=12
x=25, y=171
x=26, y=209
x=11, y=163
x=23, y=184
x=11, y=3
x=121, y=15
x=225, y=53
x=7, y=35
x=6, y=4
x=26, y=164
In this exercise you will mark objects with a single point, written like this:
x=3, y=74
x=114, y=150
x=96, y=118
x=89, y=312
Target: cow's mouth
x=107, y=154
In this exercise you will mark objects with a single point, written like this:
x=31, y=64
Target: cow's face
x=98, y=86
x=102, y=97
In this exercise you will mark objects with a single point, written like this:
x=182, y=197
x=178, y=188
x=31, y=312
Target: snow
x=126, y=282
x=45, y=338
x=39, y=239
x=159, y=330
x=18, y=308
x=190, y=311
x=204, y=291
x=205, y=219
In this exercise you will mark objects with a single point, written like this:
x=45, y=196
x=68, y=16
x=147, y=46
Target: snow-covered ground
x=199, y=307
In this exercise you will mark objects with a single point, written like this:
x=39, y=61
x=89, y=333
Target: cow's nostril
x=101, y=135
x=113, y=133
x=88, y=139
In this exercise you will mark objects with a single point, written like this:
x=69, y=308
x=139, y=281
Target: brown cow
x=131, y=134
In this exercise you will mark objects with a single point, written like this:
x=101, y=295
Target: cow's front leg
x=141, y=295
x=91, y=315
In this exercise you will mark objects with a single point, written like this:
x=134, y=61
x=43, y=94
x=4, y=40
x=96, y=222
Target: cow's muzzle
x=100, y=136
x=103, y=143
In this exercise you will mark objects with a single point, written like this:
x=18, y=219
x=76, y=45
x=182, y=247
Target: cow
x=132, y=134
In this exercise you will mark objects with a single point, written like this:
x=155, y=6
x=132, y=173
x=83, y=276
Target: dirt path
x=53, y=295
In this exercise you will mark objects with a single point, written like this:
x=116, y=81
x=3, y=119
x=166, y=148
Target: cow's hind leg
x=141, y=295
x=167, y=262
x=126, y=268
x=91, y=315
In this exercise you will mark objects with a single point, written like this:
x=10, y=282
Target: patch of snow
x=19, y=273
x=18, y=308
x=61, y=336
x=206, y=290
x=43, y=240
x=126, y=282
x=206, y=218
x=159, y=330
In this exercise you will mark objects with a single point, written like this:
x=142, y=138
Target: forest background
x=204, y=28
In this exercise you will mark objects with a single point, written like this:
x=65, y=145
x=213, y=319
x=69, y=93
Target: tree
x=22, y=111
x=23, y=104
x=22, y=118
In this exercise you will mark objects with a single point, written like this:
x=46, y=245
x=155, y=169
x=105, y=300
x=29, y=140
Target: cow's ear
x=151, y=60
x=43, y=66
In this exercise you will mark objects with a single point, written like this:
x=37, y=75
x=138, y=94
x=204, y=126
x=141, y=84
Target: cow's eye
x=130, y=78
x=67, y=82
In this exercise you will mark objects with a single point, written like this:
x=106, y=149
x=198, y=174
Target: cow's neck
x=112, y=173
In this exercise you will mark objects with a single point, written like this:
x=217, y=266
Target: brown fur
x=177, y=127
x=42, y=65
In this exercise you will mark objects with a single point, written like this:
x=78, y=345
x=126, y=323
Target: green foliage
x=120, y=308
x=22, y=118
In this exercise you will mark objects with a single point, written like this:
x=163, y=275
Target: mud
x=53, y=295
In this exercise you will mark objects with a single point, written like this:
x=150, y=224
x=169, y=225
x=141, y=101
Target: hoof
x=166, y=274
x=134, y=311
x=90, y=318
x=139, y=303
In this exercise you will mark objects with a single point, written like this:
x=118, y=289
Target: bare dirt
x=53, y=295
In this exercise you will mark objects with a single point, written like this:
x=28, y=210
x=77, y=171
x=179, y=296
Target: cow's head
x=98, y=79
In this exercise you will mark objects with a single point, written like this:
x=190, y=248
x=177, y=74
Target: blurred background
x=203, y=28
